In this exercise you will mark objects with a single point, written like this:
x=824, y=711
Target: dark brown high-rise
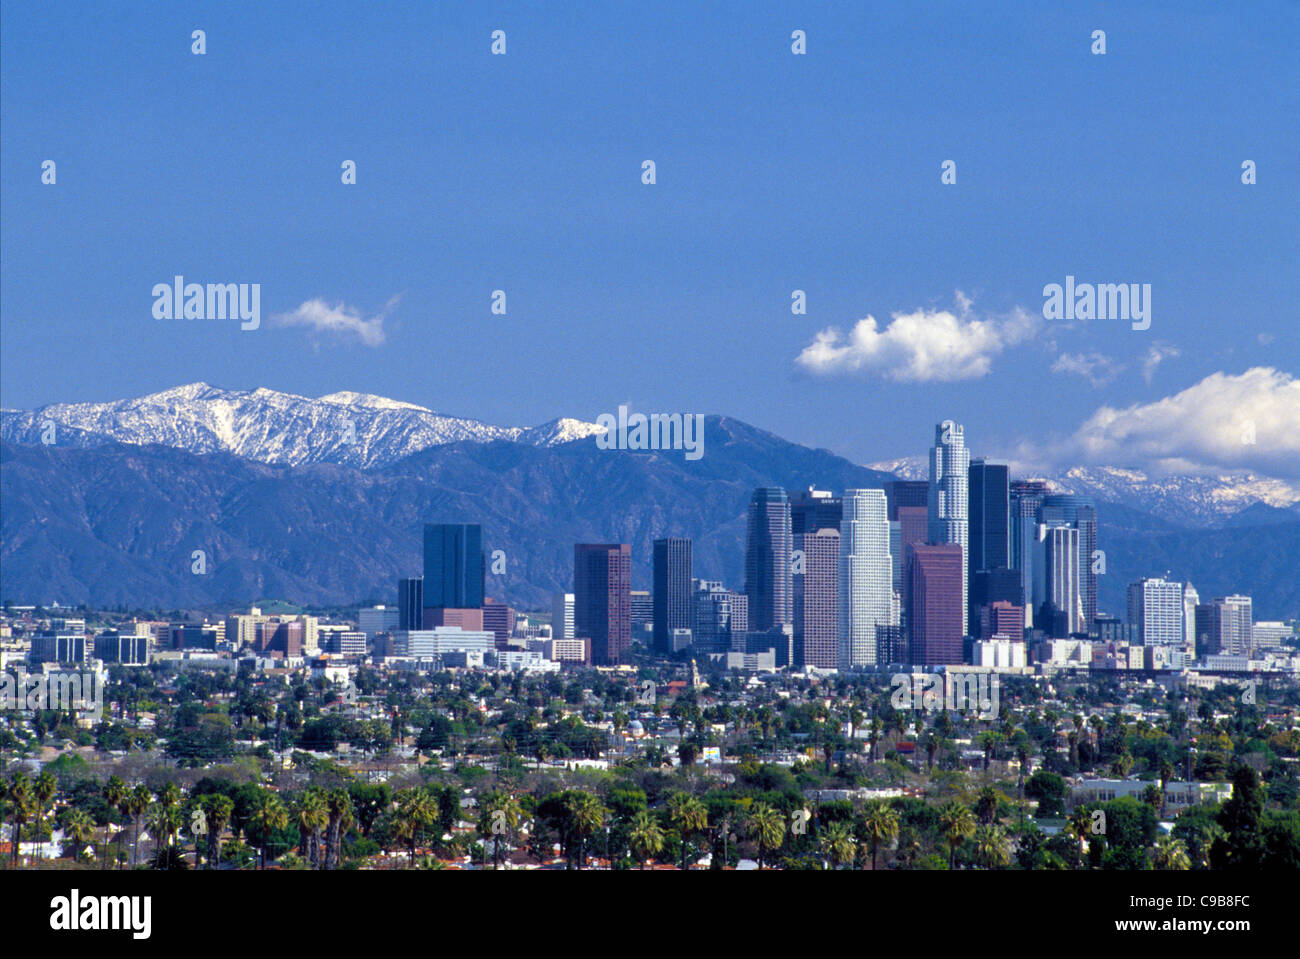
x=602, y=602
x=935, y=614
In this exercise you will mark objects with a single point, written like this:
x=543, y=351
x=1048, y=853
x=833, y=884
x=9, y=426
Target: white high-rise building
x=866, y=576
x=1190, y=599
x=1057, y=579
x=562, y=615
x=1155, y=606
x=949, y=479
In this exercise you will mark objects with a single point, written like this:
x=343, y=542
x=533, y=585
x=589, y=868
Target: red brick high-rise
x=602, y=601
x=935, y=614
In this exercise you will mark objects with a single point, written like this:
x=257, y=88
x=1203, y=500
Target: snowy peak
x=1198, y=500
x=354, y=429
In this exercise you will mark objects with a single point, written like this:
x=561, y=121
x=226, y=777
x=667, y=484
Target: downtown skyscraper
x=988, y=509
x=1155, y=607
x=602, y=602
x=672, y=591
x=866, y=589
x=950, y=497
x=767, y=560
x=455, y=573
x=815, y=518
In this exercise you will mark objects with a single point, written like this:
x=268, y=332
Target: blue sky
x=775, y=172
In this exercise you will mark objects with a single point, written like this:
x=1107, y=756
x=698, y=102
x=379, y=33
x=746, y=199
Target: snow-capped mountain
x=1186, y=500
x=355, y=429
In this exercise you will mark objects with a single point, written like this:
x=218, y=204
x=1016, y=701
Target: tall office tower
x=935, y=610
x=988, y=506
x=1056, y=582
x=949, y=497
x=410, y=603
x=816, y=599
x=906, y=493
x=719, y=617
x=1079, y=512
x=1190, y=600
x=1227, y=626
x=866, y=589
x=1025, y=497
x=1155, y=607
x=767, y=560
x=602, y=584
x=499, y=620
x=813, y=509
x=454, y=570
x=672, y=591
x=913, y=527
x=562, y=616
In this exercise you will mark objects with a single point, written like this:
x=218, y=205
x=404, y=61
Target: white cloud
x=1157, y=354
x=924, y=345
x=1246, y=422
x=1096, y=368
x=339, y=319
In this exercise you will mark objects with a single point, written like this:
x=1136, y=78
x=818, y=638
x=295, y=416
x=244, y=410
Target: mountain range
x=321, y=501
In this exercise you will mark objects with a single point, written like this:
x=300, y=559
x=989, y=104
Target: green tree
x=880, y=824
x=837, y=843
x=690, y=817
x=646, y=837
x=767, y=827
x=957, y=824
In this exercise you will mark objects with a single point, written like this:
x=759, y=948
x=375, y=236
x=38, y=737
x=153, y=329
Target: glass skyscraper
x=767, y=560
x=950, y=496
x=454, y=569
x=866, y=576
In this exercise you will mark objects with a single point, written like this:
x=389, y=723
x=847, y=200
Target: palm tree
x=21, y=804
x=992, y=848
x=1079, y=825
x=690, y=817
x=586, y=815
x=311, y=816
x=219, y=807
x=165, y=821
x=114, y=793
x=1171, y=853
x=500, y=818
x=43, y=791
x=416, y=812
x=873, y=736
x=768, y=828
x=135, y=805
x=268, y=816
x=78, y=826
x=957, y=824
x=880, y=825
x=646, y=836
x=986, y=806
x=1166, y=774
x=340, y=808
x=837, y=843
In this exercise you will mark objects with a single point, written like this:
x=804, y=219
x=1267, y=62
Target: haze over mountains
x=321, y=501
